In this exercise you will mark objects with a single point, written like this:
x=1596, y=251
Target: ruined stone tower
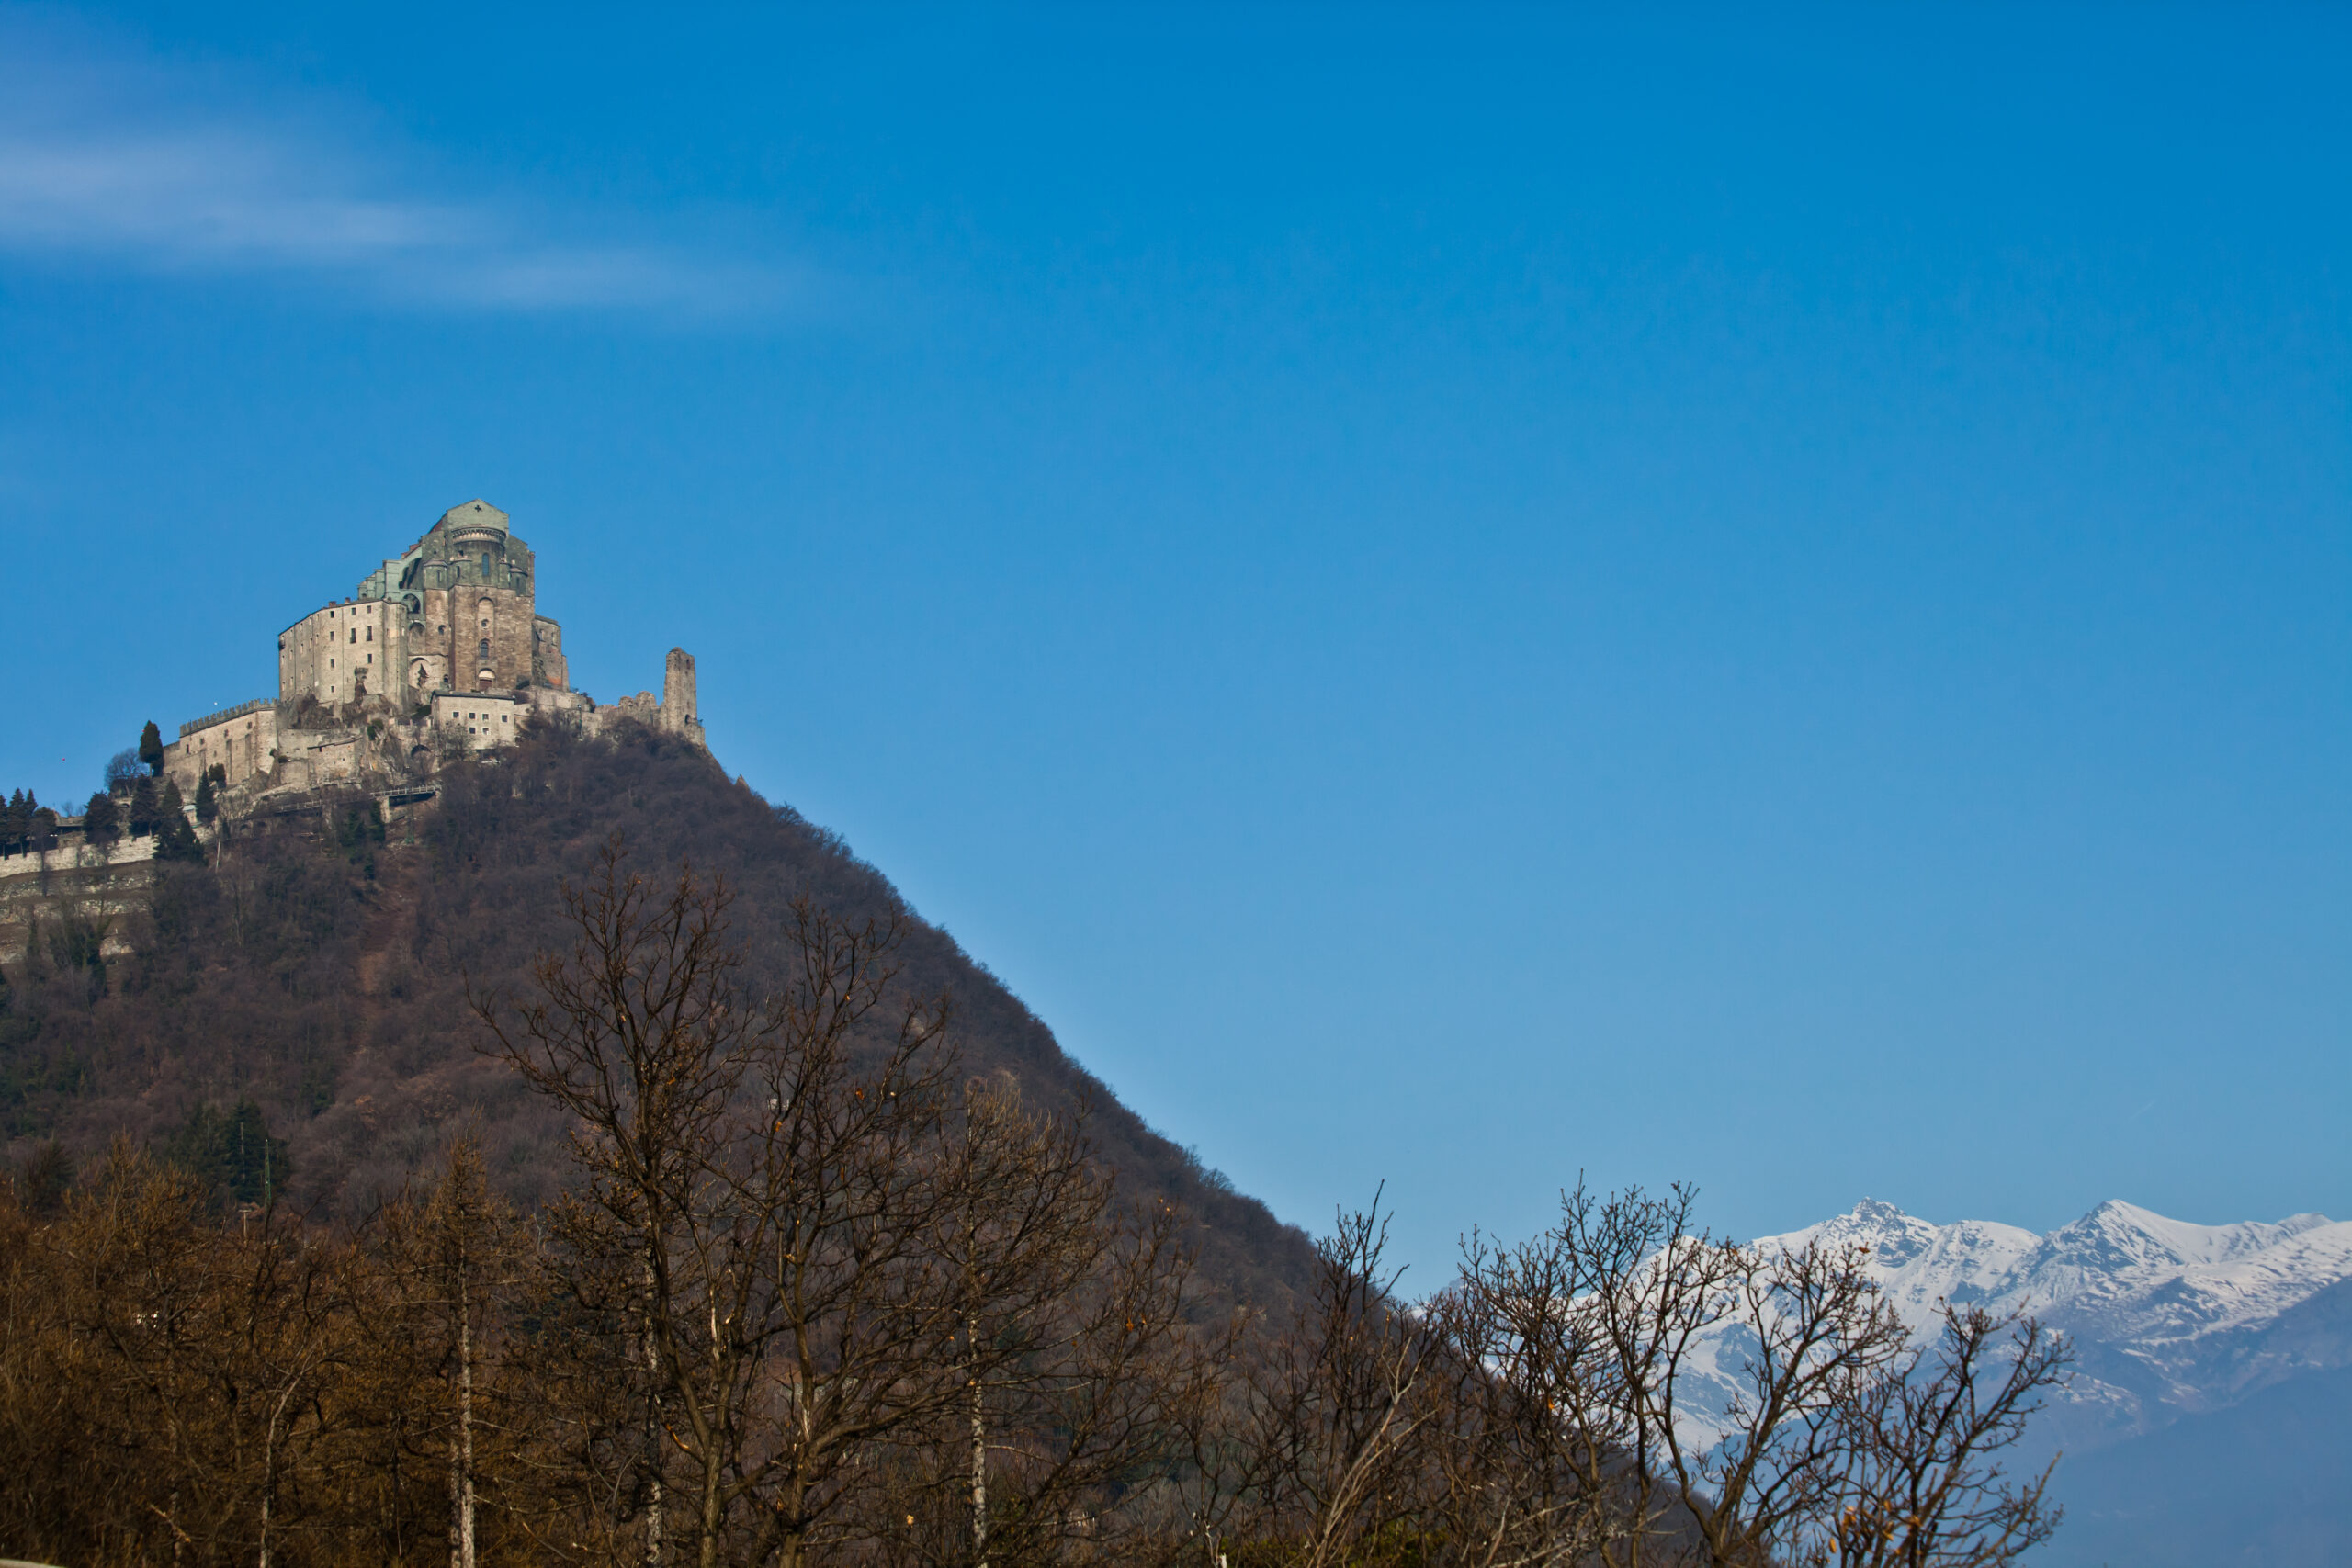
x=678, y=695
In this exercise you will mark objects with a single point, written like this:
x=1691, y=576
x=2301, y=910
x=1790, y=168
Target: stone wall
x=240, y=740
x=343, y=653
x=309, y=759
x=479, y=637
x=481, y=719
x=548, y=667
x=110, y=892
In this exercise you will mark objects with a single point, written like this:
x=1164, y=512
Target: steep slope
x=323, y=975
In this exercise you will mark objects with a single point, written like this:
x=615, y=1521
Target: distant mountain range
x=2208, y=1421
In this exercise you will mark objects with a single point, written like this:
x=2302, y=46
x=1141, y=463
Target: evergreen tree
x=207, y=804
x=101, y=824
x=15, y=822
x=358, y=827
x=175, y=840
x=43, y=823
x=151, y=748
x=143, y=808
x=232, y=1154
x=42, y=1181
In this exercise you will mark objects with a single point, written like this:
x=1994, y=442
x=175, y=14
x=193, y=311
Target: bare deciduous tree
x=824, y=1246
x=1332, y=1444
x=1922, y=1485
x=1737, y=1407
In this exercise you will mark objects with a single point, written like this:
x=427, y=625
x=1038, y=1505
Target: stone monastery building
x=442, y=649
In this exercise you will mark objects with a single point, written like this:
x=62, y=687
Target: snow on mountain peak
x=2166, y=1314
x=2120, y=1230
x=1892, y=1237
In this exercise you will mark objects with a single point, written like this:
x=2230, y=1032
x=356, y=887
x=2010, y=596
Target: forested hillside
x=489, y=1185
x=315, y=983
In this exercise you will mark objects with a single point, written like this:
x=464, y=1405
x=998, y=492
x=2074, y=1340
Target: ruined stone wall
x=641, y=707
x=548, y=667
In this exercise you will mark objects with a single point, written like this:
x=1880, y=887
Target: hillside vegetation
x=605, y=1166
x=320, y=974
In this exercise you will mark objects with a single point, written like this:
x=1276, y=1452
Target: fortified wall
x=441, y=651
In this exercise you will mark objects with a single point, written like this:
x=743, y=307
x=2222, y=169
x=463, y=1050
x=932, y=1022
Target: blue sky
x=1454, y=596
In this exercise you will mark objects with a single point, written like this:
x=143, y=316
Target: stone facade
x=442, y=649
x=238, y=740
x=453, y=612
x=486, y=719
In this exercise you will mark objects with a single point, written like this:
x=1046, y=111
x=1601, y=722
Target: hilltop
x=318, y=971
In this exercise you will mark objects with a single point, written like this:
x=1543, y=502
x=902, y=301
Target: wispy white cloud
x=112, y=159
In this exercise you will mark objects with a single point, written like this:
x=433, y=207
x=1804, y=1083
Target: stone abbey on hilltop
x=442, y=649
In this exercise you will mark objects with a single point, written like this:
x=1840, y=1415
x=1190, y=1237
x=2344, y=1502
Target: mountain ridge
x=2193, y=1342
x=2161, y=1309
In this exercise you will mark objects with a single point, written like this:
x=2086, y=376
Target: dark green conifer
x=232, y=1154
x=151, y=748
x=207, y=804
x=143, y=808
x=175, y=839
x=101, y=824
x=43, y=1181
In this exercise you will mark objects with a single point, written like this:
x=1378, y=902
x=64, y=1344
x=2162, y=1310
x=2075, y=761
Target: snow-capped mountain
x=2210, y=1417
x=2169, y=1319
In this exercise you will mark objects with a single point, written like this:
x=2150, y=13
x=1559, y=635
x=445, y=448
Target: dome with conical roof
x=475, y=520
